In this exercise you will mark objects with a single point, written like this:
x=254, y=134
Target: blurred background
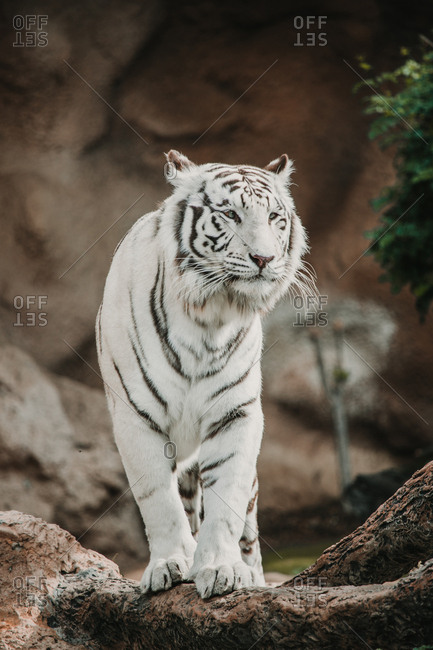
x=92, y=95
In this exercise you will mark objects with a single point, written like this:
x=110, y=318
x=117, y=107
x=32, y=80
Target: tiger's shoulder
x=144, y=229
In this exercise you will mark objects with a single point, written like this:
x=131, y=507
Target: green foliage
x=340, y=375
x=402, y=102
x=293, y=560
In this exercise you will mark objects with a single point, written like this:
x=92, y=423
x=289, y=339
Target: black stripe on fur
x=147, y=380
x=209, y=482
x=143, y=414
x=178, y=222
x=223, y=357
x=159, y=319
x=236, y=413
x=232, y=384
x=215, y=464
x=197, y=211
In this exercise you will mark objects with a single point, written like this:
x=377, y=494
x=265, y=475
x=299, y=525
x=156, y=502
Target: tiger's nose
x=261, y=261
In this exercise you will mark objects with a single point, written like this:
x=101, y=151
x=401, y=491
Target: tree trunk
x=388, y=544
x=116, y=615
x=78, y=596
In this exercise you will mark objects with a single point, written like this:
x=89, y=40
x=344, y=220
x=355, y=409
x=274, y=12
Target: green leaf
x=401, y=108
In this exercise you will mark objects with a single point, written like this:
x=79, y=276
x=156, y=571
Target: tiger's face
x=237, y=230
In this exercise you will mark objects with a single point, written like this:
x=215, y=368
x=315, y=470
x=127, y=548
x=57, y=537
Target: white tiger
x=179, y=343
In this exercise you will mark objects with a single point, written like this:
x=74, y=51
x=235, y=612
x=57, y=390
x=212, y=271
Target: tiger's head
x=236, y=232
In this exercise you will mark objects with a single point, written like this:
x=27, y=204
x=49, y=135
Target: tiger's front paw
x=223, y=578
x=162, y=574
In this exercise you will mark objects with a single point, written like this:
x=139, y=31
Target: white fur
x=201, y=315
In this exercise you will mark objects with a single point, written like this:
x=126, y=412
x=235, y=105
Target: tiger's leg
x=153, y=480
x=227, y=478
x=190, y=493
x=249, y=542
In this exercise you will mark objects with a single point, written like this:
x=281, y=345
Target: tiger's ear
x=176, y=164
x=281, y=166
x=180, y=161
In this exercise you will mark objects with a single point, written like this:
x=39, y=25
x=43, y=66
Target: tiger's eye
x=231, y=214
x=273, y=216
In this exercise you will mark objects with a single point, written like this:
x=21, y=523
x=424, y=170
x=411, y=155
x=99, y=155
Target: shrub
x=402, y=102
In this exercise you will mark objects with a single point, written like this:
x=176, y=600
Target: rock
x=221, y=84
x=370, y=354
x=293, y=378
x=34, y=554
x=57, y=156
x=58, y=458
x=297, y=465
x=368, y=491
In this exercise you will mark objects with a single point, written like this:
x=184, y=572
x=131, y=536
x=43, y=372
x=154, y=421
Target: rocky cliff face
x=85, y=122
x=59, y=460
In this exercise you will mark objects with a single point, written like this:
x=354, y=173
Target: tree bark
x=388, y=544
x=83, y=601
x=112, y=613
